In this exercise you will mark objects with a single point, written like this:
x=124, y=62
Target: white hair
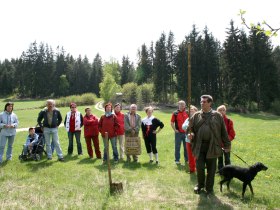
x=51, y=101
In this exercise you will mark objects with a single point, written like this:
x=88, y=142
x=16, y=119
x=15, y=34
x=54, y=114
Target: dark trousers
x=210, y=164
x=78, y=141
x=151, y=144
x=221, y=160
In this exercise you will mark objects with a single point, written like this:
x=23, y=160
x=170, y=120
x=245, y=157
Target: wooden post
x=189, y=77
x=108, y=159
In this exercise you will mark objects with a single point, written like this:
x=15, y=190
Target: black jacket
x=56, y=120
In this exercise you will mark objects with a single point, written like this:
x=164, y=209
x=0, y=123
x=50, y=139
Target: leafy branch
x=264, y=27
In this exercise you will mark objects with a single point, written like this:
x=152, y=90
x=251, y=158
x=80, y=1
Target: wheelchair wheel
x=37, y=157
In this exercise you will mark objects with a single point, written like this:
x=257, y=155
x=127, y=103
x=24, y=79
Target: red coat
x=90, y=126
x=229, y=127
x=120, y=117
x=108, y=124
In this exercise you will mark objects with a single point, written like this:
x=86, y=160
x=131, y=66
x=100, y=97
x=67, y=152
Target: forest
x=242, y=72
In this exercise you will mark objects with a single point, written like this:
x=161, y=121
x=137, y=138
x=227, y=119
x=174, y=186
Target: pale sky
x=114, y=28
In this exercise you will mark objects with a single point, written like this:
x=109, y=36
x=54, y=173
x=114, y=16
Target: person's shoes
x=192, y=172
x=135, y=160
x=157, y=162
x=177, y=162
x=80, y=154
x=49, y=158
x=116, y=161
x=61, y=159
x=197, y=190
x=151, y=161
x=128, y=159
x=209, y=192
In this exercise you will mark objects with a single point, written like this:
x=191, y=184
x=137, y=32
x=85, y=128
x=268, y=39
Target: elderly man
x=207, y=133
x=51, y=120
x=132, y=125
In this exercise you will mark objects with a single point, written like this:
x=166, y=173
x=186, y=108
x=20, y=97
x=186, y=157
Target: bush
x=275, y=107
x=80, y=100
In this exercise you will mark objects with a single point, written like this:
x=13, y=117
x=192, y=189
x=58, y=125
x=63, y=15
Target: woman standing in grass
x=8, y=125
x=91, y=133
x=185, y=125
x=149, y=129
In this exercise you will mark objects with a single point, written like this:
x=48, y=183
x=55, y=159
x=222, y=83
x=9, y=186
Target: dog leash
x=238, y=157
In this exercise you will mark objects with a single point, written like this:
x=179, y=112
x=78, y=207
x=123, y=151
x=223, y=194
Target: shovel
x=114, y=187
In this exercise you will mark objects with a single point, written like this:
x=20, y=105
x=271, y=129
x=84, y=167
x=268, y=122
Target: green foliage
x=146, y=92
x=108, y=88
x=112, y=68
x=84, y=99
x=275, y=107
x=63, y=85
x=129, y=91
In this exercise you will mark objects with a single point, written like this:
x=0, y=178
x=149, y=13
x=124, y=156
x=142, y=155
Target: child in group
x=31, y=140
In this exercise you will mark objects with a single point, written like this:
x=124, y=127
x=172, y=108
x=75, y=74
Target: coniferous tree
x=144, y=69
x=96, y=75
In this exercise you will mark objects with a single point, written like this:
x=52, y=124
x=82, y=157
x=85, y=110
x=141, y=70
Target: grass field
x=82, y=183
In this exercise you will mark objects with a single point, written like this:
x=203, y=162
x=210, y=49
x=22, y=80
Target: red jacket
x=179, y=118
x=108, y=124
x=120, y=117
x=229, y=127
x=90, y=126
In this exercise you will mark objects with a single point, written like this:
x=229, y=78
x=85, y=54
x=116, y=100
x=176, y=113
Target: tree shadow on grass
x=211, y=202
x=261, y=116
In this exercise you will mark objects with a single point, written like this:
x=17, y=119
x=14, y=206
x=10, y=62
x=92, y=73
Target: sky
x=117, y=28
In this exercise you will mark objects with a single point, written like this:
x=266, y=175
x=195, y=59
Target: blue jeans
x=114, y=148
x=180, y=139
x=48, y=133
x=78, y=141
x=3, y=141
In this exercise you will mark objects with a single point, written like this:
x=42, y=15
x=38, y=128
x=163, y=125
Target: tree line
x=243, y=71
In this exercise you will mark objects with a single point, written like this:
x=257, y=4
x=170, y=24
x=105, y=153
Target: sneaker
x=135, y=160
x=177, y=162
x=49, y=158
x=197, y=190
x=157, y=162
x=116, y=161
x=151, y=161
x=61, y=159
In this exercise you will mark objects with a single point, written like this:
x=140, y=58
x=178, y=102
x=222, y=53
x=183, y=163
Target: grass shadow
x=68, y=158
x=36, y=165
x=87, y=161
x=205, y=201
x=132, y=165
x=151, y=166
x=261, y=116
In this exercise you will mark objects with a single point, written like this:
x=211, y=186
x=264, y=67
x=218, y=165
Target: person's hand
x=190, y=136
x=227, y=150
x=155, y=132
x=176, y=131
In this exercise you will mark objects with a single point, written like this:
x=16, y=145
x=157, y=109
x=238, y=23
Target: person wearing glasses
x=207, y=134
x=73, y=123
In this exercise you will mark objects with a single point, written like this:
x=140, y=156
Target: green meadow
x=82, y=183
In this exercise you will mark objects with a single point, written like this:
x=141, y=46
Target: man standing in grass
x=177, y=120
x=207, y=133
x=51, y=120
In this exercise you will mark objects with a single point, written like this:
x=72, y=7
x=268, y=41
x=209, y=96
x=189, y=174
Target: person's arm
x=36, y=139
x=185, y=124
x=138, y=124
x=15, y=123
x=39, y=119
x=231, y=131
x=59, y=118
x=224, y=135
x=81, y=118
x=172, y=123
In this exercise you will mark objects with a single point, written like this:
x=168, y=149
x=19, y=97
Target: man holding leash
x=207, y=133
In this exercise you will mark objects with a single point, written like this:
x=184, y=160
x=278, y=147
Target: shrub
x=275, y=107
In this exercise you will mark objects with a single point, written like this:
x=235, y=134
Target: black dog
x=246, y=175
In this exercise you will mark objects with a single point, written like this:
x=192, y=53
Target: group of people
x=206, y=135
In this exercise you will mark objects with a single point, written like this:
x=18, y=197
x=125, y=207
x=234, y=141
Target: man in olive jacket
x=207, y=133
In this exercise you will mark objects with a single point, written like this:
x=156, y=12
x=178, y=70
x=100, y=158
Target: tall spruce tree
x=96, y=75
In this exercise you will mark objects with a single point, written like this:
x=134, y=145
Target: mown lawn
x=82, y=183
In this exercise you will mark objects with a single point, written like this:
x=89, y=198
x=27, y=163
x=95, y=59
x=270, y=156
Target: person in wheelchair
x=31, y=142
